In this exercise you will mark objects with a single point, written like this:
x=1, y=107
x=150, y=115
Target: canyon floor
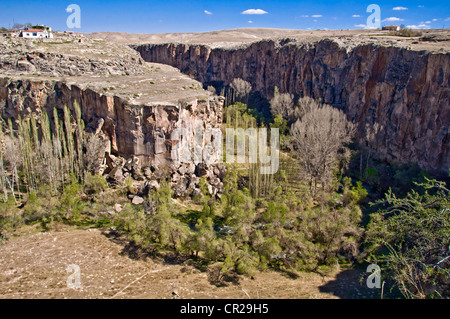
x=34, y=265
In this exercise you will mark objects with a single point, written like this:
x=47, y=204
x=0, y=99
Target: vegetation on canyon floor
x=312, y=215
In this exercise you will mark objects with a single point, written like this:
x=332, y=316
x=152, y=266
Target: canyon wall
x=405, y=92
x=142, y=131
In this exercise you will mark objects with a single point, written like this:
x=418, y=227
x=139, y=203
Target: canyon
x=135, y=91
x=405, y=92
x=130, y=83
x=138, y=103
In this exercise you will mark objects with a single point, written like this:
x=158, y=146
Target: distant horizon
x=237, y=29
x=196, y=16
x=244, y=28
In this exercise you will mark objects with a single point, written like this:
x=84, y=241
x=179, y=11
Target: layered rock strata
x=406, y=93
x=143, y=131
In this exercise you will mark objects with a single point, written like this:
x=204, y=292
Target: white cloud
x=208, y=12
x=448, y=19
x=399, y=8
x=250, y=21
x=392, y=19
x=420, y=26
x=356, y=16
x=434, y=20
x=419, y=6
x=304, y=16
x=315, y=20
x=254, y=11
x=316, y=16
x=427, y=22
x=364, y=26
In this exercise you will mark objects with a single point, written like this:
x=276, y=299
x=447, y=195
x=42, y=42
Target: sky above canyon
x=137, y=16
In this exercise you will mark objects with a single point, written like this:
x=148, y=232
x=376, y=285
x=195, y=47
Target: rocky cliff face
x=143, y=131
x=405, y=92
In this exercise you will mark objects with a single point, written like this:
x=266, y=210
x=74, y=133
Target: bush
x=407, y=33
x=410, y=236
x=94, y=184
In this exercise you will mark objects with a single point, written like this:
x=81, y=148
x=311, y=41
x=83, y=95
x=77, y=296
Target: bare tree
x=320, y=136
x=10, y=162
x=282, y=104
x=241, y=89
x=18, y=26
x=303, y=106
x=367, y=143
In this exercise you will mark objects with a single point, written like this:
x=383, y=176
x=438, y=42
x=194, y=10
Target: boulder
x=201, y=170
x=153, y=184
x=118, y=208
x=160, y=175
x=181, y=188
x=116, y=176
x=137, y=200
x=147, y=172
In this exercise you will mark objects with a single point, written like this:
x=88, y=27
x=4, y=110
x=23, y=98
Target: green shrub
x=410, y=238
x=94, y=184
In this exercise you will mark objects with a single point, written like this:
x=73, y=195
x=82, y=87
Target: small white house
x=391, y=28
x=35, y=34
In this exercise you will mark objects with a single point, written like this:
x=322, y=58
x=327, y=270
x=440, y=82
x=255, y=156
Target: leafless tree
x=241, y=89
x=320, y=136
x=282, y=104
x=367, y=143
x=10, y=163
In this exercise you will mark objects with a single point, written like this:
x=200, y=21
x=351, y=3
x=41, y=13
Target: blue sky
x=137, y=16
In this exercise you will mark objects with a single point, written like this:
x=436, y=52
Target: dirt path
x=35, y=266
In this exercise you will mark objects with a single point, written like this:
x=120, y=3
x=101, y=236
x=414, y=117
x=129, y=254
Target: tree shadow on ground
x=216, y=278
x=287, y=273
x=351, y=284
x=129, y=248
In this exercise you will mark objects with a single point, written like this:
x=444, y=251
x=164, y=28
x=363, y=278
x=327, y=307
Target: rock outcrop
x=141, y=131
x=18, y=57
x=405, y=92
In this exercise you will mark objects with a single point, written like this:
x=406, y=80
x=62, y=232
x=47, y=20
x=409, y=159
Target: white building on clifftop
x=45, y=33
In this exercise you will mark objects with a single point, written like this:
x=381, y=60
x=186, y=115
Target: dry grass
x=34, y=266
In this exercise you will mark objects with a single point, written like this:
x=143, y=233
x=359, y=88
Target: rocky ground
x=100, y=65
x=34, y=265
x=112, y=71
